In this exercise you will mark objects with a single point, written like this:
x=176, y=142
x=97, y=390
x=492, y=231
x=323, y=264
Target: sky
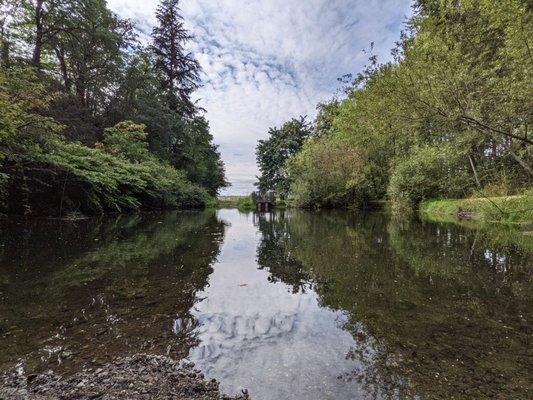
x=266, y=61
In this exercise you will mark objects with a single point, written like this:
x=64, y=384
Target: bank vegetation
x=92, y=120
x=448, y=117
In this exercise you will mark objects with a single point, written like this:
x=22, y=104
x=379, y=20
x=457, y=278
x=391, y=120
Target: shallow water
x=291, y=305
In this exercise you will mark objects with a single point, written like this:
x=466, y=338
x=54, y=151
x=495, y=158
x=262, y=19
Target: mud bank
x=137, y=377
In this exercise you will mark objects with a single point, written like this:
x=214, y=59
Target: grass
x=516, y=209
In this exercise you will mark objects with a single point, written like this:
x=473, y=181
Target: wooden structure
x=264, y=201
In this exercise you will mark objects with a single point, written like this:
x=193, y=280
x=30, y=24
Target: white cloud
x=265, y=61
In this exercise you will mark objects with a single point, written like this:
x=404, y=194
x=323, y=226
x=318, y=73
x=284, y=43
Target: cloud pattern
x=265, y=61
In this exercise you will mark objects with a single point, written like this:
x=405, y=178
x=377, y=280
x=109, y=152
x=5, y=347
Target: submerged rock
x=137, y=377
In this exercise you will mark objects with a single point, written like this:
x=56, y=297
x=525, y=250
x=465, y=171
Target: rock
x=137, y=377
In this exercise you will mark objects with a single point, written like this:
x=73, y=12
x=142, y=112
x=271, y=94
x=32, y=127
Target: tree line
x=92, y=120
x=448, y=117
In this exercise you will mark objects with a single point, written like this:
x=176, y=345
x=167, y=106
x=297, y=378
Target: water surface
x=291, y=305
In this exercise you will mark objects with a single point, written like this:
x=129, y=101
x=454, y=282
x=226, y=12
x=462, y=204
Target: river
x=290, y=304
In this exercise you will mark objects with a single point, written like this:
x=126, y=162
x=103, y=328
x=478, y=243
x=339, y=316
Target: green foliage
x=113, y=182
x=88, y=73
x=22, y=98
x=179, y=71
x=451, y=114
x=429, y=172
x=127, y=140
x=43, y=173
x=185, y=143
x=325, y=117
x=212, y=203
x=245, y=204
x=199, y=158
x=273, y=153
x=23, y=129
x=325, y=173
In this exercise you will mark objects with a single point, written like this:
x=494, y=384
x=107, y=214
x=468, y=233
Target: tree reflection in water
x=446, y=310
x=86, y=292
x=289, y=304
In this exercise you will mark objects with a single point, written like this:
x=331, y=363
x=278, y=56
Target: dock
x=264, y=201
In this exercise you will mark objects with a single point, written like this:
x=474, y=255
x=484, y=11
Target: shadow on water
x=291, y=304
x=84, y=292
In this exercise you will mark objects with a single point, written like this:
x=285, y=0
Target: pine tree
x=179, y=70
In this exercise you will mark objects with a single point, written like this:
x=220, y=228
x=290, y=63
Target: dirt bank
x=137, y=377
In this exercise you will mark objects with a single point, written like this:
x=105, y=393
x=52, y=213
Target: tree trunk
x=521, y=162
x=39, y=34
x=475, y=172
x=81, y=91
x=60, y=54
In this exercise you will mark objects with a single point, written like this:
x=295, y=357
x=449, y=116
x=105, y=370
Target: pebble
x=137, y=377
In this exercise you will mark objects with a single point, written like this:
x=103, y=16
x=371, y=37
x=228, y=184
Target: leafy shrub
x=245, y=204
x=127, y=140
x=118, y=178
x=43, y=174
x=325, y=173
x=436, y=171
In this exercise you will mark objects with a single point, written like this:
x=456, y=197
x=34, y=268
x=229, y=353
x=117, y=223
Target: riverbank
x=242, y=203
x=137, y=377
x=516, y=210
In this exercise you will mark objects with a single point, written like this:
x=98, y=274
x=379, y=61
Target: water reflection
x=291, y=305
x=442, y=317
x=278, y=343
x=87, y=292
x=274, y=255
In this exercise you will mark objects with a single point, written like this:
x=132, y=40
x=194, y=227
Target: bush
x=430, y=172
x=60, y=177
x=326, y=173
x=245, y=204
x=121, y=180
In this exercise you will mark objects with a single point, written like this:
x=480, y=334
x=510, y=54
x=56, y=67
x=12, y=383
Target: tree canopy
x=273, y=153
x=450, y=116
x=75, y=79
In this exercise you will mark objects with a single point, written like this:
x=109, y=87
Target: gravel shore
x=137, y=377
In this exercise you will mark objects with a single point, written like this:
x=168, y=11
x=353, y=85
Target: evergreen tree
x=179, y=70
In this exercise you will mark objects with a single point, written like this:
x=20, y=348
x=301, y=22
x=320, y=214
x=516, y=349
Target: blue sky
x=265, y=61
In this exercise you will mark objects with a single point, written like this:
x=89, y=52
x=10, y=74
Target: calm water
x=291, y=305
